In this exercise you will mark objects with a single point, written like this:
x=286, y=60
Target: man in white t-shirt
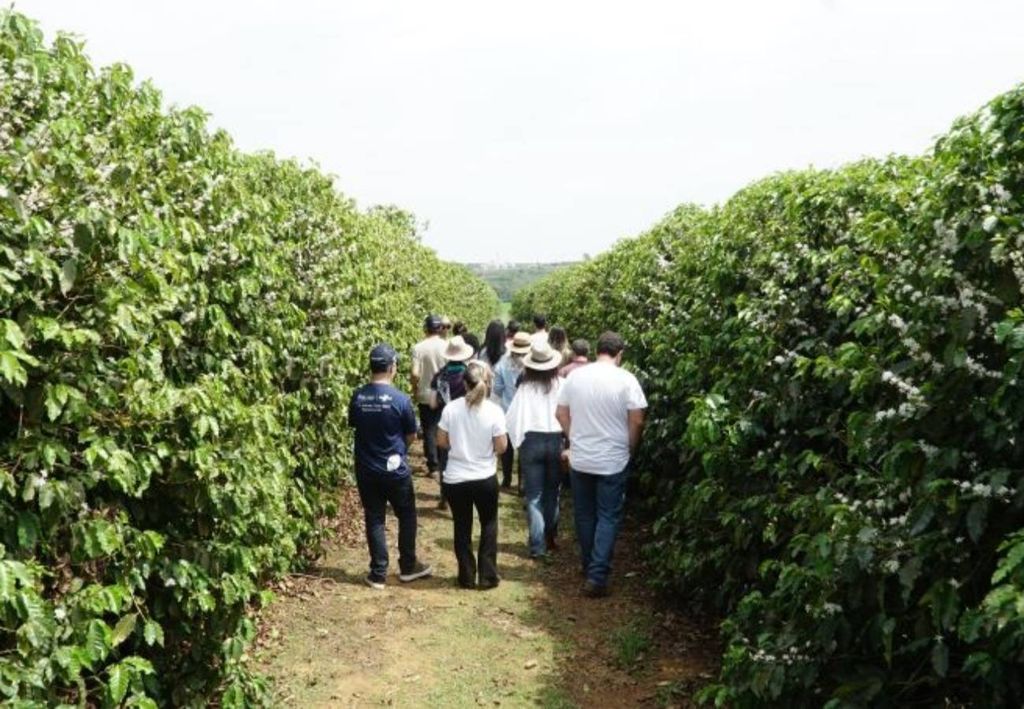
x=427, y=360
x=601, y=408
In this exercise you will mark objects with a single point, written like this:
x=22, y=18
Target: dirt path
x=330, y=641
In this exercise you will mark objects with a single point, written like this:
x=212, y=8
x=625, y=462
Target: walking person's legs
x=551, y=488
x=507, y=458
x=531, y=457
x=428, y=422
x=460, y=496
x=584, y=503
x=374, y=500
x=486, y=500
x=401, y=495
x=610, y=498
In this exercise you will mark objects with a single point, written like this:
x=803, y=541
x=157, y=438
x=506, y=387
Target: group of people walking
x=518, y=395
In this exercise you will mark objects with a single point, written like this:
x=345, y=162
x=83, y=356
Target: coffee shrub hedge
x=181, y=325
x=835, y=452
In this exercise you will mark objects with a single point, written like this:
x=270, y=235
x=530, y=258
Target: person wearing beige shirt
x=427, y=360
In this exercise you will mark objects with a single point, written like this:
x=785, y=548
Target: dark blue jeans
x=540, y=458
x=429, y=419
x=598, y=501
x=376, y=491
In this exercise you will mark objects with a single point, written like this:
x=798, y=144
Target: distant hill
x=508, y=278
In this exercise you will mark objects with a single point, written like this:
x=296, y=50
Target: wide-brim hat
x=457, y=350
x=521, y=343
x=542, y=358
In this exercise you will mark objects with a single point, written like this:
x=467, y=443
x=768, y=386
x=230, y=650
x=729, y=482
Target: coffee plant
x=181, y=325
x=835, y=452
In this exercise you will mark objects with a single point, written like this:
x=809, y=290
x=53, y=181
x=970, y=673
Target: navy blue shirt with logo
x=382, y=417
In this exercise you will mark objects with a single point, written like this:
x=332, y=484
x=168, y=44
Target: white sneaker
x=374, y=584
x=419, y=572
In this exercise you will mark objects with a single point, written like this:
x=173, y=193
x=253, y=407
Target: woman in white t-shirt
x=473, y=430
x=535, y=432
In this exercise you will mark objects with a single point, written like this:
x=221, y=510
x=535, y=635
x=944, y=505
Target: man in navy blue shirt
x=385, y=426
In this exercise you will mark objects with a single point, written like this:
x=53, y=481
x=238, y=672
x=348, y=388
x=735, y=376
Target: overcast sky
x=540, y=131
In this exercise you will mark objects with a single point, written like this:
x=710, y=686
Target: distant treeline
x=509, y=278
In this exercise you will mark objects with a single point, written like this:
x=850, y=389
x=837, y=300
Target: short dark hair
x=459, y=328
x=580, y=348
x=473, y=341
x=512, y=327
x=540, y=321
x=610, y=343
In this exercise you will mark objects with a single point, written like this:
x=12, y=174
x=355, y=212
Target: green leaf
x=123, y=629
x=977, y=516
x=13, y=334
x=118, y=678
x=940, y=658
x=11, y=369
x=153, y=633
x=28, y=529
x=68, y=274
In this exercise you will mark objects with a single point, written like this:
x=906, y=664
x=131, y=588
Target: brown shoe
x=592, y=590
x=551, y=542
x=442, y=504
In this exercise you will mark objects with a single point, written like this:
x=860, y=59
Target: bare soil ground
x=330, y=641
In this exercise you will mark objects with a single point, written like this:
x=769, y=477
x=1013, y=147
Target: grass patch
x=555, y=698
x=630, y=643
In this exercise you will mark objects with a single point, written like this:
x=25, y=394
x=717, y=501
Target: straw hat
x=542, y=358
x=521, y=343
x=458, y=350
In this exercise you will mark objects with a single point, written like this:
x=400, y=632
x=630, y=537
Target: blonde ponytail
x=478, y=383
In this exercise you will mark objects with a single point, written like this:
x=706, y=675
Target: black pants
x=463, y=497
x=376, y=492
x=506, y=466
x=429, y=419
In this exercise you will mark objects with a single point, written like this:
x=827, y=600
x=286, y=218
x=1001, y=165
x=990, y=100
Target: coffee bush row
x=835, y=453
x=181, y=325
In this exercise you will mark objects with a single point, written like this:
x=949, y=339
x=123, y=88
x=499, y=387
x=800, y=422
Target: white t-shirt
x=471, y=433
x=533, y=409
x=539, y=338
x=427, y=359
x=600, y=397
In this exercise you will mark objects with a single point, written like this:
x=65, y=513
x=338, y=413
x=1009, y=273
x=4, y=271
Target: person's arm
x=442, y=429
x=636, y=429
x=414, y=377
x=500, y=443
x=564, y=418
x=409, y=426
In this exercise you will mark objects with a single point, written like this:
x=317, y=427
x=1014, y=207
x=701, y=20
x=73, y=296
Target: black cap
x=382, y=356
x=432, y=323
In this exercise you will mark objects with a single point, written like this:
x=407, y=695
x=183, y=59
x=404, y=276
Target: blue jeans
x=598, y=501
x=375, y=492
x=540, y=457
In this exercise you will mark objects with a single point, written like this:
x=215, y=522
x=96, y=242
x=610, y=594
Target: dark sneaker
x=375, y=583
x=442, y=504
x=421, y=570
x=592, y=590
x=488, y=584
x=551, y=542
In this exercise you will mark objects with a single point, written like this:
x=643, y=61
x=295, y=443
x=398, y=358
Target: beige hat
x=458, y=350
x=542, y=358
x=521, y=343
x=445, y=321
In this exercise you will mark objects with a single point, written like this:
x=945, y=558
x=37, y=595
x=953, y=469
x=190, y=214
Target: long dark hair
x=543, y=379
x=494, y=341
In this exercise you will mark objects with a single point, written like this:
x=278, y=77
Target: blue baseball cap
x=382, y=356
x=432, y=323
